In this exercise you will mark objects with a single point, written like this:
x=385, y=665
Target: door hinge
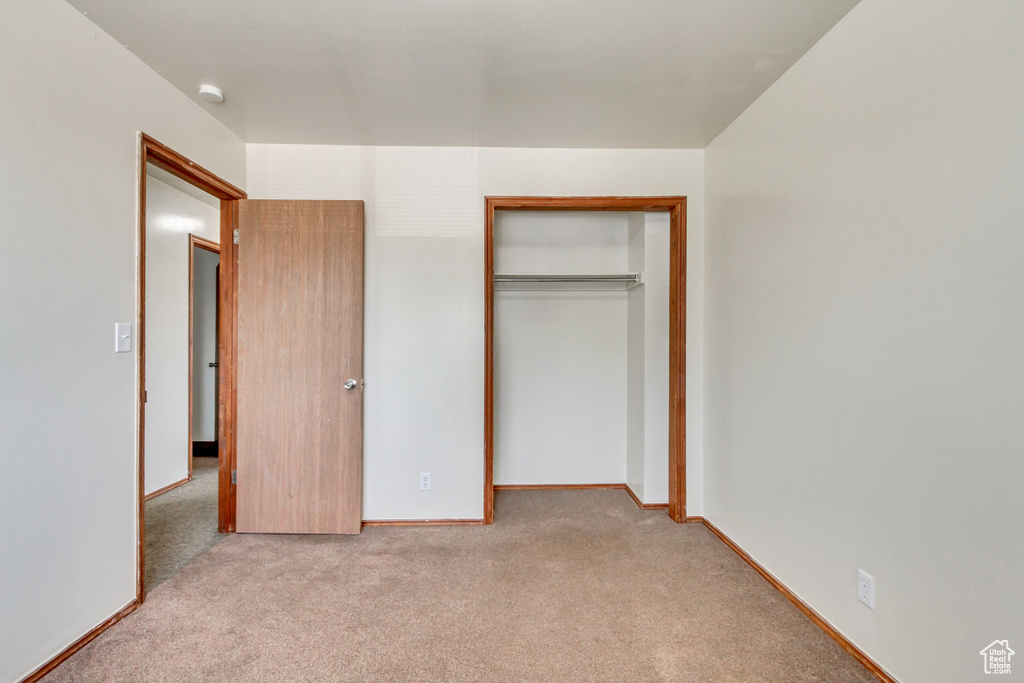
x=145, y=397
x=234, y=236
x=234, y=477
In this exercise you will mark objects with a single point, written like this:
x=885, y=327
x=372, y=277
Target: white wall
x=865, y=300
x=170, y=216
x=73, y=103
x=560, y=355
x=636, y=348
x=657, y=250
x=425, y=293
x=648, y=358
x=204, y=345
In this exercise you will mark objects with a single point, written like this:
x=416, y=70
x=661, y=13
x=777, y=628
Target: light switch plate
x=122, y=337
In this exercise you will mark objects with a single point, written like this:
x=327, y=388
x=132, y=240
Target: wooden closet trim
x=676, y=208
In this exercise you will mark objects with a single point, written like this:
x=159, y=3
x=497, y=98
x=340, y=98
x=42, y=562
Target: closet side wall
x=657, y=233
x=648, y=358
x=635, y=350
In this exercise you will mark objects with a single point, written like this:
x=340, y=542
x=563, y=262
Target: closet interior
x=581, y=350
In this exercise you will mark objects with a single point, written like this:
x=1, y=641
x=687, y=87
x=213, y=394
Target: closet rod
x=610, y=281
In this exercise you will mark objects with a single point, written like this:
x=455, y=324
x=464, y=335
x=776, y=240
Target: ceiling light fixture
x=211, y=93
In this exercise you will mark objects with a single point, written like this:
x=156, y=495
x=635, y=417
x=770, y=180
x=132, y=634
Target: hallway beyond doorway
x=181, y=524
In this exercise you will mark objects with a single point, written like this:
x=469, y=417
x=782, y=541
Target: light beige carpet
x=565, y=586
x=181, y=524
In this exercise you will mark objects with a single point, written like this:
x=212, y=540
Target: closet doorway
x=550, y=274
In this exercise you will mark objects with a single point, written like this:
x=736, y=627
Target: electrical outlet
x=866, y=588
x=424, y=481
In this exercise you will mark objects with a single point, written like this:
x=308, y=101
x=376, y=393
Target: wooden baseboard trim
x=423, y=522
x=835, y=635
x=167, y=488
x=554, y=487
x=636, y=498
x=642, y=505
x=80, y=643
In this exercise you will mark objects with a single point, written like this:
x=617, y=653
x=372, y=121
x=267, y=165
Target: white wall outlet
x=424, y=481
x=122, y=337
x=866, y=588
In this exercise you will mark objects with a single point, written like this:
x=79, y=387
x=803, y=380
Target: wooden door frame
x=676, y=208
x=194, y=243
x=162, y=156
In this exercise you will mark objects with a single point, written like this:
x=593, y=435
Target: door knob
x=351, y=384
x=213, y=365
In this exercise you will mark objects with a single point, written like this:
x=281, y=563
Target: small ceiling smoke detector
x=211, y=93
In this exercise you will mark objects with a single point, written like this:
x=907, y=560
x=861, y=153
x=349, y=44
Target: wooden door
x=300, y=365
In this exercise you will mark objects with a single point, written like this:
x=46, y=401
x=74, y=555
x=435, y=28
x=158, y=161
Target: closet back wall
x=424, y=305
x=560, y=356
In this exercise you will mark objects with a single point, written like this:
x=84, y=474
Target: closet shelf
x=604, y=281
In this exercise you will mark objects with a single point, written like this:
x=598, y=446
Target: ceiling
x=503, y=73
